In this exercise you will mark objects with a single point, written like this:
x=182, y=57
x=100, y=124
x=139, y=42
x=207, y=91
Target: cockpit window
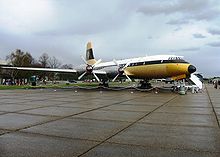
x=175, y=60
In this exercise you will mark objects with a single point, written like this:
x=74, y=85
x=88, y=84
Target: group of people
x=216, y=83
x=17, y=82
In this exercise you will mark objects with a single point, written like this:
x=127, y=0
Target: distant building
x=2, y=63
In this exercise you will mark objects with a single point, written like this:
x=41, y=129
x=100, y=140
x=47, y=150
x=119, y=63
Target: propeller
x=121, y=71
x=89, y=69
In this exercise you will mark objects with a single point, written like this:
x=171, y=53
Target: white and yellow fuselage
x=149, y=67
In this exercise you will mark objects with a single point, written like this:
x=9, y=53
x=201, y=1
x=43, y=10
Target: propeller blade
x=126, y=65
x=115, y=78
x=84, y=60
x=79, y=78
x=128, y=78
x=116, y=63
x=96, y=63
x=96, y=77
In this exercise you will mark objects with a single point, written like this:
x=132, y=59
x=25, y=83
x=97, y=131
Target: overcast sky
x=117, y=28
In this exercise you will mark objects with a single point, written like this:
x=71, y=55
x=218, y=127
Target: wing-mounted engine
x=121, y=70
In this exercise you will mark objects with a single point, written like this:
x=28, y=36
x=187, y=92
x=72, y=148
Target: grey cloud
x=204, y=55
x=177, y=29
x=37, y=45
x=186, y=9
x=84, y=23
x=168, y=7
x=178, y=22
x=198, y=36
x=214, y=31
x=206, y=14
x=214, y=44
x=84, y=28
x=186, y=49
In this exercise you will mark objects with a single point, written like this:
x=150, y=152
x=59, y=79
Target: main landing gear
x=104, y=83
x=145, y=84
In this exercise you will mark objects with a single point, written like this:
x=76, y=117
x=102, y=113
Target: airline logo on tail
x=89, y=54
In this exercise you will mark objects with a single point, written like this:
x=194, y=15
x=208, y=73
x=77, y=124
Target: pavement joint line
x=72, y=101
x=190, y=106
x=20, y=103
x=213, y=108
x=161, y=147
x=181, y=113
x=56, y=105
x=5, y=131
x=32, y=114
x=55, y=136
x=63, y=117
x=30, y=100
x=63, y=101
x=19, y=111
x=174, y=97
x=111, y=120
x=28, y=126
x=126, y=111
x=125, y=144
x=165, y=124
x=159, y=112
x=3, y=113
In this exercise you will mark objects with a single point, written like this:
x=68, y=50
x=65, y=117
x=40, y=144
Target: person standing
x=216, y=84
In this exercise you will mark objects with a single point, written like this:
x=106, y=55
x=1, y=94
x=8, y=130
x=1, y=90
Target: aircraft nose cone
x=191, y=69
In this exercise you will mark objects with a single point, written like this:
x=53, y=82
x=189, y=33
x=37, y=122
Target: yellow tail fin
x=89, y=54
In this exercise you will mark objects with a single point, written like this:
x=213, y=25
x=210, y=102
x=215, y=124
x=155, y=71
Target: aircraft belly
x=148, y=71
x=158, y=70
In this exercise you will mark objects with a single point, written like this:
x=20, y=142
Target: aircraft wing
x=41, y=69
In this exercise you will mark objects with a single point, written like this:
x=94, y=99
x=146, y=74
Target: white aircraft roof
x=139, y=59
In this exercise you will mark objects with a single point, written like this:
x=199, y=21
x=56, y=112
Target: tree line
x=19, y=58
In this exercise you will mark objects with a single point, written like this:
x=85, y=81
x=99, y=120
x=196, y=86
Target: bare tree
x=20, y=58
x=44, y=60
x=54, y=62
x=67, y=66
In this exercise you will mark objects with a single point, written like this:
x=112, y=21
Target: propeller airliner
x=146, y=68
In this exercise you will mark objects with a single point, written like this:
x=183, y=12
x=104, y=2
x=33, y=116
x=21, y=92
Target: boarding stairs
x=195, y=81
